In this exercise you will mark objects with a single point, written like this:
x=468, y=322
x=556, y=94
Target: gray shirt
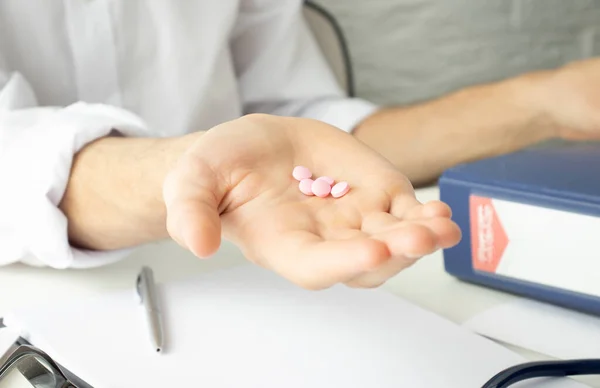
x=405, y=51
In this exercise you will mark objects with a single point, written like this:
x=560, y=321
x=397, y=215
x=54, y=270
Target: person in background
x=127, y=122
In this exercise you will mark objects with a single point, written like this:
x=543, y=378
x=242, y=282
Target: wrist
x=167, y=153
x=114, y=195
x=531, y=94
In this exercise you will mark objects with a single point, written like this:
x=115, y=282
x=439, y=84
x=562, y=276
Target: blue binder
x=563, y=180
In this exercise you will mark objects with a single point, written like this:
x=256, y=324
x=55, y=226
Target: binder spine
x=512, y=253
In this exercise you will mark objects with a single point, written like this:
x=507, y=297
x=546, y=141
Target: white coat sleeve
x=282, y=71
x=37, y=145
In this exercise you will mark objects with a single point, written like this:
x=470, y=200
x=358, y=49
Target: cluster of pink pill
x=321, y=187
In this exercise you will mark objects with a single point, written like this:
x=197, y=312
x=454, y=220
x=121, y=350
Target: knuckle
x=172, y=229
x=363, y=284
x=256, y=118
x=311, y=284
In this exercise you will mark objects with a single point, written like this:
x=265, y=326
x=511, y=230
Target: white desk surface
x=425, y=284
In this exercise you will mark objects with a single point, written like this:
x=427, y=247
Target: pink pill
x=340, y=189
x=320, y=188
x=327, y=179
x=301, y=172
x=305, y=186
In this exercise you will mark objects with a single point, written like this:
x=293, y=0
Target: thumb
x=190, y=192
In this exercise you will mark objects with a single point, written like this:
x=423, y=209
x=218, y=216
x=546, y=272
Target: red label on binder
x=488, y=238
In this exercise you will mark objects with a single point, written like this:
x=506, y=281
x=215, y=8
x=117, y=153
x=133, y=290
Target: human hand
x=570, y=100
x=236, y=181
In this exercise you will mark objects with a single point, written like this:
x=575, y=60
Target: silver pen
x=146, y=289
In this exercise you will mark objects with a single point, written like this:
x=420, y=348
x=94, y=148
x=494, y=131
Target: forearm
x=471, y=124
x=114, y=195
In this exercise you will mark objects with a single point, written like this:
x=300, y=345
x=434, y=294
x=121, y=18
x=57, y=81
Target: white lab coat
x=72, y=70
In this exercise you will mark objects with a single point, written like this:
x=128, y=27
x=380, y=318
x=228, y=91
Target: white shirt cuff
x=36, y=153
x=343, y=113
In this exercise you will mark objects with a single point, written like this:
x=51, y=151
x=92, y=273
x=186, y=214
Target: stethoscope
x=537, y=369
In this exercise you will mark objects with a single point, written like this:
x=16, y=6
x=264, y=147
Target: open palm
x=236, y=181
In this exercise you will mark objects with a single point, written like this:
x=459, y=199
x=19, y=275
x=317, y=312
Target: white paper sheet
x=543, y=328
x=249, y=328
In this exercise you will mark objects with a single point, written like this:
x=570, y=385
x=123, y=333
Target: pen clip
x=138, y=288
x=144, y=285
